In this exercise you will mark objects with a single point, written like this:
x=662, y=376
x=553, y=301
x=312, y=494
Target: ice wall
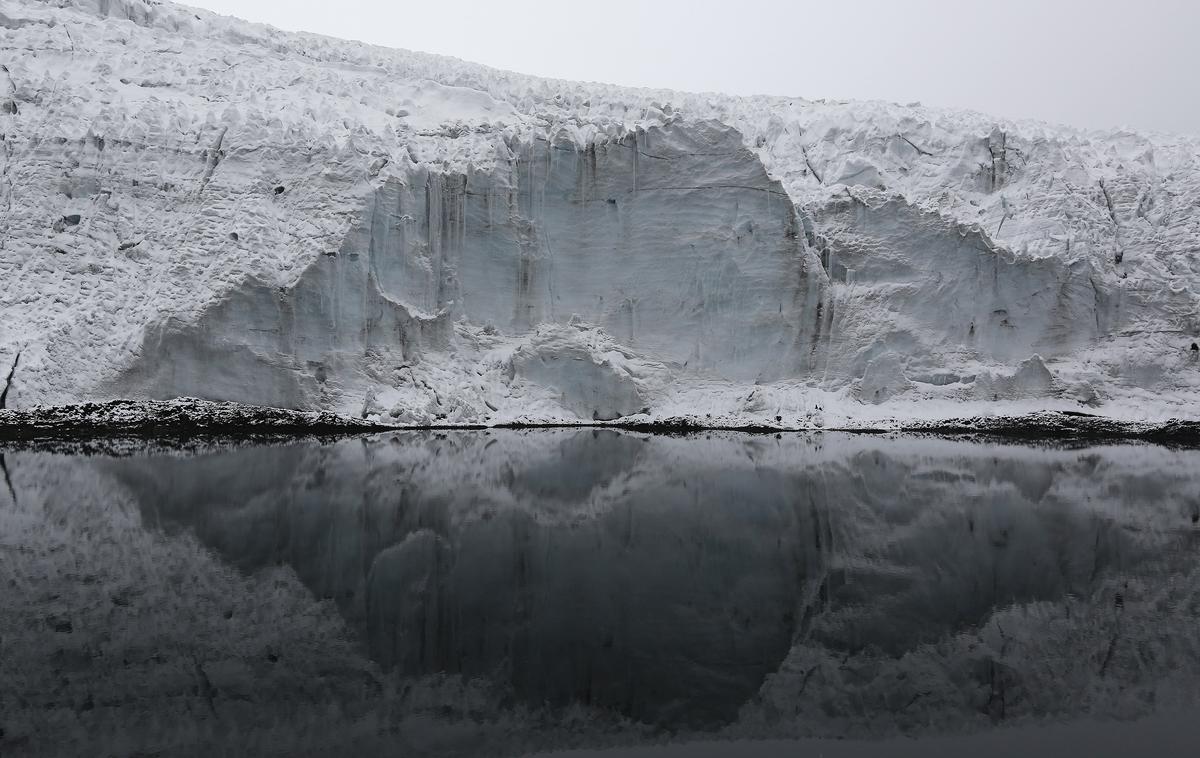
x=197, y=205
x=673, y=240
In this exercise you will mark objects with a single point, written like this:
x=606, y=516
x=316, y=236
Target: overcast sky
x=1092, y=63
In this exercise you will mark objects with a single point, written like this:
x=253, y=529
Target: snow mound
x=592, y=386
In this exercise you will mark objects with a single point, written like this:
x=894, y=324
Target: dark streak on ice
x=8, y=382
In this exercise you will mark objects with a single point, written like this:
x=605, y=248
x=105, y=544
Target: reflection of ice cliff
x=639, y=574
x=200, y=206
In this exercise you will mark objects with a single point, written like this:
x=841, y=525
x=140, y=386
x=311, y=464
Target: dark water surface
x=502, y=592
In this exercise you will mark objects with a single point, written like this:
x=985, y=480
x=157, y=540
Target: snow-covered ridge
x=197, y=205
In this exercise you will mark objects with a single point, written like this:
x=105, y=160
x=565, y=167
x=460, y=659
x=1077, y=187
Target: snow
x=197, y=205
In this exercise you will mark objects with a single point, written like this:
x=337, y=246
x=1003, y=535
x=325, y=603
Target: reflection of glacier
x=666, y=578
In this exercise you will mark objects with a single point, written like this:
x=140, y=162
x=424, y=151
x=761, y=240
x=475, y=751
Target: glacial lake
x=504, y=592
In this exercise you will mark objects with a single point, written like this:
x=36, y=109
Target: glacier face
x=201, y=206
x=673, y=240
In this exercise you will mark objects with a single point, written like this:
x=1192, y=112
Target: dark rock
x=157, y=418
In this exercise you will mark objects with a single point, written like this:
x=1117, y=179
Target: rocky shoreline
x=190, y=423
x=178, y=417
x=1055, y=425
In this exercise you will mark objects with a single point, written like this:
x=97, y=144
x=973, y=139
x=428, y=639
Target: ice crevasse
x=196, y=205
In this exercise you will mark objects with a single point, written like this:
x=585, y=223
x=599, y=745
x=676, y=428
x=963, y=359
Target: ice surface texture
x=196, y=205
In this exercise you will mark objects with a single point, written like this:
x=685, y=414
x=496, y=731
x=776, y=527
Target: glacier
x=195, y=205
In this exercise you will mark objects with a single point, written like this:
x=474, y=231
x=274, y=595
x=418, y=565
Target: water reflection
x=594, y=571
x=828, y=584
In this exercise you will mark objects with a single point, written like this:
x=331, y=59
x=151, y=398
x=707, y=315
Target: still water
x=504, y=592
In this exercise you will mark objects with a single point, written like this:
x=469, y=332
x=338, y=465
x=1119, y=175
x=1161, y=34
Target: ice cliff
x=196, y=205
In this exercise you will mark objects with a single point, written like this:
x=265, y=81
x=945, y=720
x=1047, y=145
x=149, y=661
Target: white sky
x=1091, y=63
